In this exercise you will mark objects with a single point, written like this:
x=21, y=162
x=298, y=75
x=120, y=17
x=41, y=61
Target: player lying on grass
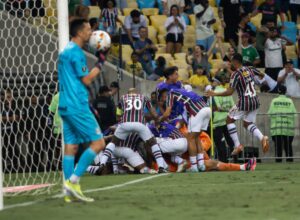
x=79, y=123
x=133, y=120
x=198, y=114
x=126, y=150
x=243, y=81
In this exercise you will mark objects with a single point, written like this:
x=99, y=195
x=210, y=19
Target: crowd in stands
x=201, y=36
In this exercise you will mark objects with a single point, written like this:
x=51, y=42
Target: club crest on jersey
x=83, y=68
x=98, y=131
x=245, y=73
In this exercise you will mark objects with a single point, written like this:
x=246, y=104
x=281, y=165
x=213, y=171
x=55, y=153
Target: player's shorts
x=173, y=146
x=126, y=128
x=80, y=128
x=132, y=157
x=200, y=121
x=248, y=116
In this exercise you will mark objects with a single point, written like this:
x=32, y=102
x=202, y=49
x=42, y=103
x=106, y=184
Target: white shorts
x=132, y=157
x=200, y=121
x=173, y=146
x=126, y=128
x=248, y=116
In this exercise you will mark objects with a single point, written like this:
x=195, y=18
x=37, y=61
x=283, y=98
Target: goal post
x=33, y=32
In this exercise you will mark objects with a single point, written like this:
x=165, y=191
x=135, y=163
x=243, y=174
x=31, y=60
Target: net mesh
x=31, y=151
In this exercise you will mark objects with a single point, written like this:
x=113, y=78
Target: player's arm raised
x=227, y=92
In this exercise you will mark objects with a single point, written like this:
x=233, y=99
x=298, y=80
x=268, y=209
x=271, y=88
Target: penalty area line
x=87, y=191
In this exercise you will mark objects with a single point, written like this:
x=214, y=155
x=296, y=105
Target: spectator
x=167, y=5
x=122, y=4
x=199, y=57
x=28, y=8
x=282, y=113
x=134, y=66
x=267, y=84
x=114, y=88
x=175, y=26
x=109, y=17
x=82, y=11
x=229, y=13
x=159, y=69
x=104, y=106
x=248, y=6
x=132, y=24
x=273, y=53
x=249, y=53
x=94, y=24
x=221, y=107
x=269, y=10
x=294, y=9
x=261, y=37
x=188, y=8
x=290, y=77
x=226, y=55
x=246, y=28
x=199, y=79
x=204, y=20
x=145, y=49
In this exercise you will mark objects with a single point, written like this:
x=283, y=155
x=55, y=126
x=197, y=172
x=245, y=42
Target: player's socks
x=230, y=167
x=176, y=159
x=200, y=159
x=233, y=134
x=158, y=156
x=92, y=169
x=110, y=148
x=85, y=160
x=68, y=166
x=193, y=160
x=255, y=131
x=115, y=164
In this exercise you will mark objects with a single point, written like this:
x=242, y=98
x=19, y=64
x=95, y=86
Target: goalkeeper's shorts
x=80, y=128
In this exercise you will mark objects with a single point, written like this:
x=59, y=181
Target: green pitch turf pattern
x=272, y=192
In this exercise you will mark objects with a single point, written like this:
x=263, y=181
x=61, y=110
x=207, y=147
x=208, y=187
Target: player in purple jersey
x=198, y=114
x=172, y=142
x=243, y=81
x=133, y=105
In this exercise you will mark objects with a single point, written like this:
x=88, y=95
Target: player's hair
x=237, y=57
x=93, y=21
x=132, y=90
x=169, y=71
x=161, y=61
x=160, y=92
x=77, y=25
x=135, y=13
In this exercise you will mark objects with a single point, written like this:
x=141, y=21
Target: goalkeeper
x=79, y=123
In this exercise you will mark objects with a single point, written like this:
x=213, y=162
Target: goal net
x=30, y=143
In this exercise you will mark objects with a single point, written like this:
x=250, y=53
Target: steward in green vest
x=221, y=107
x=282, y=113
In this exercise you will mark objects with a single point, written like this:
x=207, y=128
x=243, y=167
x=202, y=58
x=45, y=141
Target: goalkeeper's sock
x=68, y=166
x=233, y=134
x=109, y=150
x=255, y=131
x=230, y=167
x=158, y=156
x=85, y=160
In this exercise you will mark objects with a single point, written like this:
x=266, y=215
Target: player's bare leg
x=200, y=152
x=238, y=147
x=162, y=165
x=220, y=166
x=192, y=147
x=251, y=127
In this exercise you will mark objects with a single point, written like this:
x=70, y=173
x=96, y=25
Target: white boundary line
x=88, y=191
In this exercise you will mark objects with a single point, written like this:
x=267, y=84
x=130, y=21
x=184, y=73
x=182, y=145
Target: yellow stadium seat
x=167, y=56
x=179, y=63
x=122, y=18
x=190, y=29
x=94, y=12
x=152, y=34
x=132, y=4
x=158, y=20
x=216, y=63
x=161, y=39
x=213, y=71
x=126, y=11
x=189, y=38
x=188, y=45
x=126, y=52
x=291, y=52
x=256, y=20
x=193, y=20
x=162, y=30
x=180, y=56
x=212, y=3
x=150, y=11
x=218, y=55
x=183, y=74
x=161, y=48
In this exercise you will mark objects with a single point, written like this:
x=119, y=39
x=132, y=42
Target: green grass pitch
x=272, y=192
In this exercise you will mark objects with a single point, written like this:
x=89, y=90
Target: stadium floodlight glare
x=32, y=34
